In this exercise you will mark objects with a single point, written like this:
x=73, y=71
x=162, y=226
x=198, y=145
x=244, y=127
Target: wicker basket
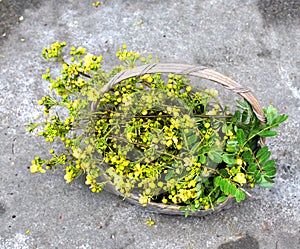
x=188, y=70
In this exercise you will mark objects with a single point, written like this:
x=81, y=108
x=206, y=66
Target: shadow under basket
x=187, y=70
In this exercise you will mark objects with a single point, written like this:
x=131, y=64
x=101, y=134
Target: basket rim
x=188, y=70
x=161, y=208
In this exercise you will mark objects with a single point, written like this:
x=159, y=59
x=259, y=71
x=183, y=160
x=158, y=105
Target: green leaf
x=271, y=172
x=232, y=188
x=231, y=149
x=228, y=159
x=199, y=187
x=166, y=158
x=248, y=157
x=244, y=104
x=227, y=187
x=268, y=133
x=239, y=195
x=240, y=136
x=269, y=164
x=237, y=116
x=269, y=179
x=254, y=132
x=194, y=148
x=215, y=156
x=186, y=214
x=192, y=207
x=222, y=185
x=245, y=115
x=202, y=159
x=271, y=114
x=232, y=145
x=261, y=151
x=221, y=199
x=232, y=142
x=169, y=175
x=252, y=167
x=224, y=173
x=264, y=157
x=269, y=168
x=281, y=118
x=264, y=182
x=257, y=176
x=192, y=139
x=224, y=128
x=217, y=181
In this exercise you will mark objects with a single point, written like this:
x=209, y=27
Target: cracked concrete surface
x=254, y=42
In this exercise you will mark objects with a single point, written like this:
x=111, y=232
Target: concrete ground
x=255, y=42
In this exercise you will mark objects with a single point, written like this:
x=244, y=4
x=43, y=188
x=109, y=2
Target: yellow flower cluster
x=56, y=128
x=178, y=85
x=128, y=57
x=150, y=222
x=96, y=4
x=77, y=51
x=147, y=77
x=183, y=195
x=37, y=165
x=55, y=50
x=207, y=131
x=70, y=174
x=91, y=62
x=94, y=185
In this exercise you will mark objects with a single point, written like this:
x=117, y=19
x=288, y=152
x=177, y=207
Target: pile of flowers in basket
x=150, y=134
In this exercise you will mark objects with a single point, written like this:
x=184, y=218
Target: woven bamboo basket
x=187, y=70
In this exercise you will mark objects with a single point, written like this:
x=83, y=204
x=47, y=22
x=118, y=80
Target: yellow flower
x=68, y=177
x=88, y=60
x=81, y=50
x=144, y=200
x=175, y=140
x=160, y=184
x=239, y=161
x=188, y=89
x=150, y=222
x=240, y=178
x=96, y=4
x=192, y=183
x=206, y=136
x=169, y=143
x=207, y=125
x=164, y=200
x=178, y=146
x=229, y=133
x=152, y=185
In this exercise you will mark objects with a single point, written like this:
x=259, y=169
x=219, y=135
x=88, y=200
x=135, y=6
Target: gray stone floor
x=255, y=42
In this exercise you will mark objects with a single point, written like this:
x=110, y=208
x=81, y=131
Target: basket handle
x=190, y=70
